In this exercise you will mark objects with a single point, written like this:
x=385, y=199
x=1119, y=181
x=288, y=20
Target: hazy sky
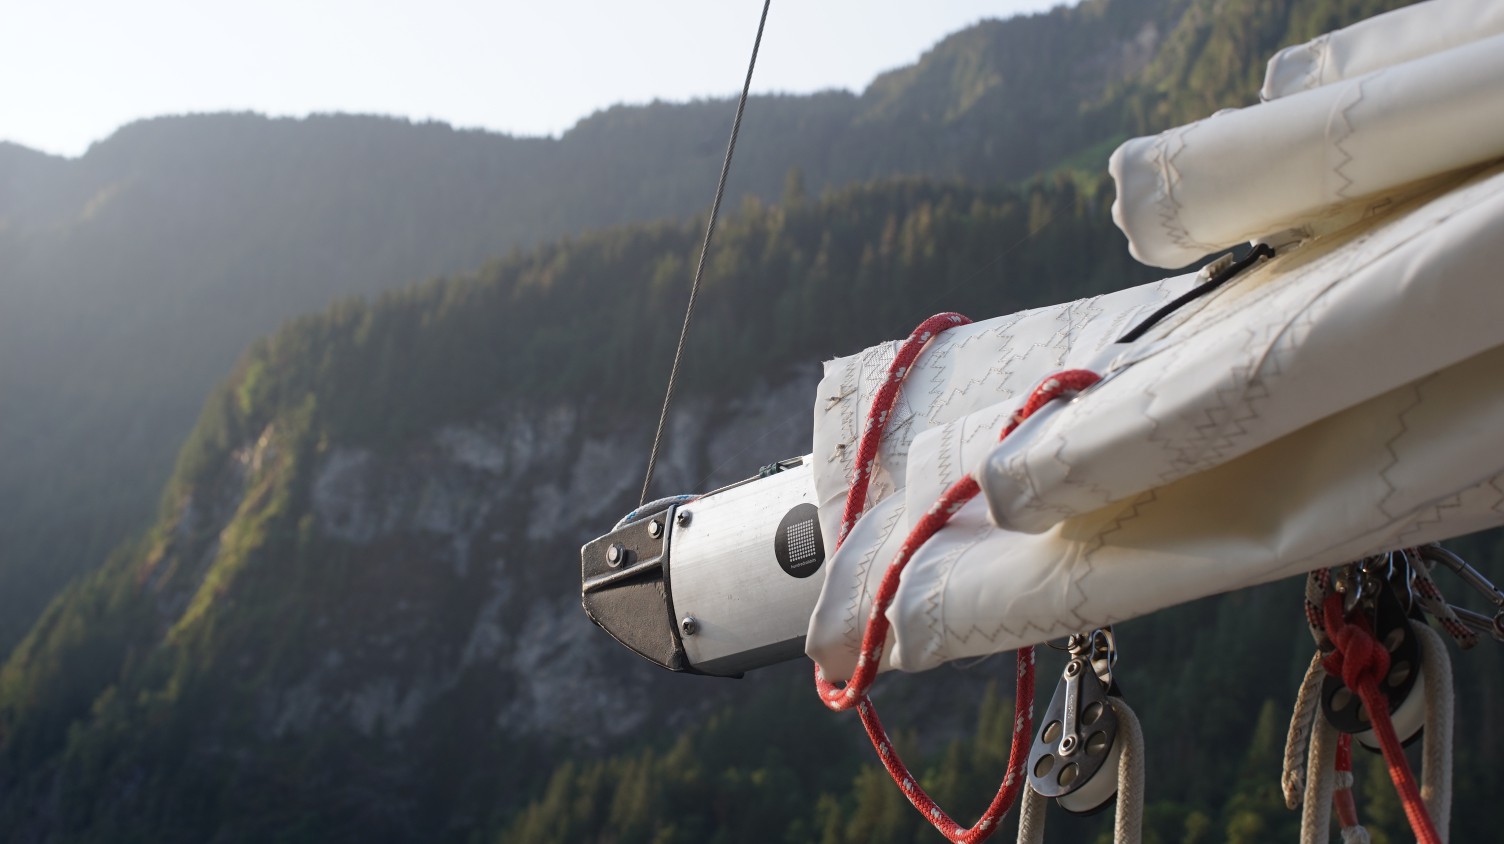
x=73, y=72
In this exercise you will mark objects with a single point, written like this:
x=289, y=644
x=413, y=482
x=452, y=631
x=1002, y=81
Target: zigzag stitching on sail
x=1131, y=512
x=1394, y=455
x=860, y=594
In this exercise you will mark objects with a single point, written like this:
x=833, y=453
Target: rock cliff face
x=421, y=602
x=469, y=541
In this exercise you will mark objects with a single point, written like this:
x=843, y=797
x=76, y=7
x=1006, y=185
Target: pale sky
x=73, y=72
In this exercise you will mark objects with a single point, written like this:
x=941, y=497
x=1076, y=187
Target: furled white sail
x=1381, y=41
x=1246, y=174
x=1343, y=398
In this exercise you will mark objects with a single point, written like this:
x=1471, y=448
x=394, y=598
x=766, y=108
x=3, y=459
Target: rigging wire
x=694, y=288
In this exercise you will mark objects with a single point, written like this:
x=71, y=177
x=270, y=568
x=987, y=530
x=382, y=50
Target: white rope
x=1315, y=777
x=1128, y=818
x=1128, y=824
x=1321, y=765
x=1355, y=835
x=1298, y=741
x=1031, y=817
x=1436, y=773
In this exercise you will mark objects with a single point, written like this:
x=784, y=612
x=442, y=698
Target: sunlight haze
x=73, y=73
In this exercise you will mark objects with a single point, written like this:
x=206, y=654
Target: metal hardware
x=1469, y=575
x=733, y=594
x=1480, y=623
x=1071, y=715
x=749, y=568
x=616, y=555
x=624, y=589
x=1103, y=653
x=1371, y=587
x=1491, y=626
x=1362, y=582
x=1075, y=753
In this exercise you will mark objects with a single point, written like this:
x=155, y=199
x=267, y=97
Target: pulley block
x=1075, y=754
x=1404, y=685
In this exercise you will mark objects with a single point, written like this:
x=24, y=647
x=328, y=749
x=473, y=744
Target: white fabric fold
x=1303, y=337
x=1379, y=42
x=960, y=384
x=1247, y=174
x=1345, y=398
x=964, y=370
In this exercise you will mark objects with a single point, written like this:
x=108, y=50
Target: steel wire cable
x=694, y=288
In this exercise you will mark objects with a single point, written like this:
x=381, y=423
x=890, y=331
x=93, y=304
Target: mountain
x=368, y=550
x=132, y=277
x=355, y=613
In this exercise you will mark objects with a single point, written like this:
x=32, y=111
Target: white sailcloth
x=1381, y=41
x=1341, y=399
x=1244, y=174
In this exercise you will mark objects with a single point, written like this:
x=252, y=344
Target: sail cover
x=1410, y=32
x=1243, y=174
x=1344, y=398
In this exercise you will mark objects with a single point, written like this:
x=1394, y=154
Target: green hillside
x=353, y=613
x=132, y=277
x=190, y=651
x=362, y=586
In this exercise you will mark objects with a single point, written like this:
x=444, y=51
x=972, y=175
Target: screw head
x=682, y=518
x=689, y=626
x=655, y=528
x=1068, y=745
x=616, y=554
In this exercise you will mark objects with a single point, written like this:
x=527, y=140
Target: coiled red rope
x=874, y=636
x=1361, y=661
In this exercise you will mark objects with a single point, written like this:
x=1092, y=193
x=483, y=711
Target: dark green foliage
x=135, y=275
x=123, y=682
x=133, y=710
x=1215, y=736
x=594, y=315
x=152, y=667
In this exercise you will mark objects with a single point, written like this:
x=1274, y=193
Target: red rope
x=882, y=406
x=854, y=693
x=1342, y=796
x=1361, y=661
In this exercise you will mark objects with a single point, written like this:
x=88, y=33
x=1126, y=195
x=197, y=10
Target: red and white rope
x=1361, y=661
x=854, y=693
x=1429, y=596
x=1342, y=794
x=1325, y=776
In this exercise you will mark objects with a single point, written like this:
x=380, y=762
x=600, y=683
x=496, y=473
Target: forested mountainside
x=357, y=615
x=132, y=277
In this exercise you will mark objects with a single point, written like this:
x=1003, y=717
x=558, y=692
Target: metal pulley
x=1381, y=588
x=1076, y=751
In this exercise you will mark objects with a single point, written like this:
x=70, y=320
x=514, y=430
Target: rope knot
x=1359, y=659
